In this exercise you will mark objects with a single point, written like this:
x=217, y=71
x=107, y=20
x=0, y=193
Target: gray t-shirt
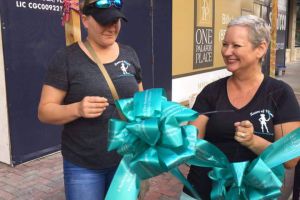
x=84, y=141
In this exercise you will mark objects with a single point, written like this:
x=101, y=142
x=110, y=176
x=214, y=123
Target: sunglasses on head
x=109, y=3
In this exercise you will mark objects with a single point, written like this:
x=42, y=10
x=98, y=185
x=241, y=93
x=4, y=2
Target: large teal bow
x=155, y=139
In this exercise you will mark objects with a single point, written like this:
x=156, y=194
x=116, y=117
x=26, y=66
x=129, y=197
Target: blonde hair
x=259, y=30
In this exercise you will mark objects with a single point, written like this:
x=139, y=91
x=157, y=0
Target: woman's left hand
x=244, y=133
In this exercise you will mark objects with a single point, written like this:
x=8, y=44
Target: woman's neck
x=247, y=80
x=248, y=75
x=106, y=54
x=101, y=48
x=241, y=89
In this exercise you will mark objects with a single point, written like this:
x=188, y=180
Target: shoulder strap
x=104, y=72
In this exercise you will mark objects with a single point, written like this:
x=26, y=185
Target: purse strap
x=104, y=72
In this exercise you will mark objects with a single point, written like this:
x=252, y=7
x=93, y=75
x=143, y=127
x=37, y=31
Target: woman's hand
x=244, y=133
x=92, y=106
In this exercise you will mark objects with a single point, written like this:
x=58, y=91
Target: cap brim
x=106, y=16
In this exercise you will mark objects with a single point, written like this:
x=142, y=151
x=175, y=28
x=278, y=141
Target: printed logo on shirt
x=124, y=67
x=263, y=117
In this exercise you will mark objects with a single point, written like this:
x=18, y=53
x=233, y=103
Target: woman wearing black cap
x=75, y=94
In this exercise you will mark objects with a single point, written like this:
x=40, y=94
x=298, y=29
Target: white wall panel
x=4, y=130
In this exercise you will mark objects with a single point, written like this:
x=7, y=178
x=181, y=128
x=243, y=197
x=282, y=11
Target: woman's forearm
x=53, y=113
x=258, y=144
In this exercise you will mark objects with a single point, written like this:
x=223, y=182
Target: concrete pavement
x=42, y=179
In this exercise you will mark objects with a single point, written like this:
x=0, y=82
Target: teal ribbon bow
x=259, y=179
x=156, y=139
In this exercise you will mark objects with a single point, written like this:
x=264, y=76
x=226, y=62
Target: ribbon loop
x=260, y=179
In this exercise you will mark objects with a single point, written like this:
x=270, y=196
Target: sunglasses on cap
x=109, y=3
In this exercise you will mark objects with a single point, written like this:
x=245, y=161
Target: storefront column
x=291, y=54
x=4, y=132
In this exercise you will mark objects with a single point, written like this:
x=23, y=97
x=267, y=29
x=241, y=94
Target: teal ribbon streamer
x=156, y=139
x=125, y=183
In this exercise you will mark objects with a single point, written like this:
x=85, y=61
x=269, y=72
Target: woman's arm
x=140, y=86
x=245, y=135
x=200, y=123
x=51, y=109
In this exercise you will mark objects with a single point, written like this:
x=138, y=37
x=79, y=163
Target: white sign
x=187, y=88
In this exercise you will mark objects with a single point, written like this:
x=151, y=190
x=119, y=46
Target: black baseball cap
x=103, y=16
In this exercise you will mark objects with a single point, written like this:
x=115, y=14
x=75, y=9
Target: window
x=297, y=38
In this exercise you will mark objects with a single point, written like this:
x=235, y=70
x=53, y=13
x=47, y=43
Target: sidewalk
x=42, y=179
x=291, y=77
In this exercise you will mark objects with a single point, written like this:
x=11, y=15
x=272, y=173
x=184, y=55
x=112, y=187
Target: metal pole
x=273, y=37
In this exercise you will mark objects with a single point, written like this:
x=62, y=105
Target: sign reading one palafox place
x=203, y=33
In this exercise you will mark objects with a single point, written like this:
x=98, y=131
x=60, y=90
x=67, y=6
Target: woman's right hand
x=92, y=106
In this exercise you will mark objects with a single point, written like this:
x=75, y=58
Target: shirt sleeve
x=203, y=102
x=286, y=105
x=56, y=75
x=137, y=65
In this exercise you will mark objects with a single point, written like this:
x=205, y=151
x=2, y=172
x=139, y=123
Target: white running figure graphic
x=205, y=10
x=263, y=122
x=123, y=68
